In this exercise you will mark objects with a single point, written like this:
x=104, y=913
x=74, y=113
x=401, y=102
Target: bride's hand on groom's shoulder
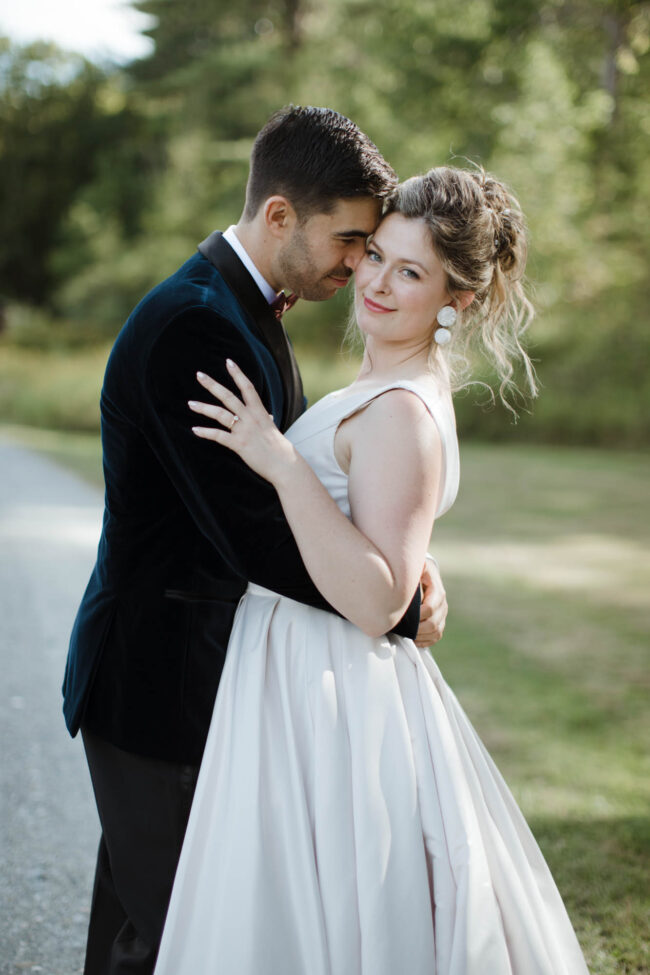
x=245, y=426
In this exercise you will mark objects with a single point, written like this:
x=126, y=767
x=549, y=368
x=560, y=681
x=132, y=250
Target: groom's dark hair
x=314, y=157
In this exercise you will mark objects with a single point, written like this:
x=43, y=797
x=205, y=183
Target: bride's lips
x=373, y=306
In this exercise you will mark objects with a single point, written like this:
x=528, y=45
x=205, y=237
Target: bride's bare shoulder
x=395, y=422
x=401, y=411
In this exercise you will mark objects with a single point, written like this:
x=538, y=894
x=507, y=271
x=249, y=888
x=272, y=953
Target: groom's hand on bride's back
x=433, y=611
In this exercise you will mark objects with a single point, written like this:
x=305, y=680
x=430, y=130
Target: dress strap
x=440, y=407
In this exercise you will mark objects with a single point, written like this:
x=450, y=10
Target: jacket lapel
x=271, y=331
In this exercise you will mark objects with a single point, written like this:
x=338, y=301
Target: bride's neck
x=384, y=364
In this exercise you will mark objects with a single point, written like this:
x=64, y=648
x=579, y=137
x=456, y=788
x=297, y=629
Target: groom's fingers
x=431, y=630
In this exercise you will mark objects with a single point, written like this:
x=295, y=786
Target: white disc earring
x=446, y=317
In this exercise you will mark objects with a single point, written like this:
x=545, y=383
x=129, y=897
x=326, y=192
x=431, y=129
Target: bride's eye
x=409, y=273
x=372, y=255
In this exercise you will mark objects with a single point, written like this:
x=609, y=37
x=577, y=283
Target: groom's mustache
x=344, y=272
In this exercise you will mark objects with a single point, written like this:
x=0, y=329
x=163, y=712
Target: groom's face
x=324, y=250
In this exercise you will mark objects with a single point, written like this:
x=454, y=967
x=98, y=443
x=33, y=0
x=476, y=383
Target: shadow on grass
x=601, y=867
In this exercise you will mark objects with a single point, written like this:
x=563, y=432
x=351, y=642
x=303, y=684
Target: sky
x=99, y=29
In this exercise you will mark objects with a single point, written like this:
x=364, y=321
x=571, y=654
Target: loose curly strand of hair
x=479, y=235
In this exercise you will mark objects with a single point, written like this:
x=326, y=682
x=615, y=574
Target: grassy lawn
x=546, y=558
x=52, y=388
x=58, y=389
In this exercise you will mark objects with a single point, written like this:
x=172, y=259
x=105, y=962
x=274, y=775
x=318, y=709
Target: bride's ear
x=462, y=299
x=279, y=216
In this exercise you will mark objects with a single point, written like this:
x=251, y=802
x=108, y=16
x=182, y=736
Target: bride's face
x=400, y=284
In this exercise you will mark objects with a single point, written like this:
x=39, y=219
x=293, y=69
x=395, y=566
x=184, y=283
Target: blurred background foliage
x=110, y=176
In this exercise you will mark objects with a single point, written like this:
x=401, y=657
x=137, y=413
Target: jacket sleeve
x=237, y=511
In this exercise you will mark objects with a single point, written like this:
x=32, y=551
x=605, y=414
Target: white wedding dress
x=347, y=819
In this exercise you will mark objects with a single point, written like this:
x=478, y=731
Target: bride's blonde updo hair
x=479, y=235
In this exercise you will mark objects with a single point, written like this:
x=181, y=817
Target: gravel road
x=49, y=527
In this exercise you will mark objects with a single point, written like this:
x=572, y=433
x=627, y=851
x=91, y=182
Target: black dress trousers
x=144, y=805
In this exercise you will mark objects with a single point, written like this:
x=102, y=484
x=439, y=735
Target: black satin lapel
x=219, y=252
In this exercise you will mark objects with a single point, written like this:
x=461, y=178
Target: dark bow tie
x=283, y=303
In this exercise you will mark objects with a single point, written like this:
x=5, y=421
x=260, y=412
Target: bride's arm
x=369, y=568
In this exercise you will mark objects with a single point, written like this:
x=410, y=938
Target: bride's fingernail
x=200, y=375
x=229, y=362
x=191, y=402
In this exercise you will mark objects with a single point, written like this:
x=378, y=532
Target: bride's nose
x=379, y=281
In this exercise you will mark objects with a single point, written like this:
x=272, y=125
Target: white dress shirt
x=241, y=253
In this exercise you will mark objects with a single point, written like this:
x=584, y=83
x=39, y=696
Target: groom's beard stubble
x=300, y=273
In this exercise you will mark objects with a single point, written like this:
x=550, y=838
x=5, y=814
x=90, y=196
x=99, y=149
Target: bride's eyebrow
x=410, y=260
x=400, y=260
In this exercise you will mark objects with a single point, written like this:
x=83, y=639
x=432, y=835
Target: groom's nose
x=354, y=252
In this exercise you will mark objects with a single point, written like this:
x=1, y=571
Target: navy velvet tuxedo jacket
x=186, y=523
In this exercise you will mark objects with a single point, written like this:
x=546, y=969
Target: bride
x=347, y=819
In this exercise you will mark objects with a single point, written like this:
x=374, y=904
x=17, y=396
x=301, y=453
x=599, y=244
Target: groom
x=186, y=523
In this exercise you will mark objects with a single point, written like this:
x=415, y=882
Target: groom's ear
x=279, y=217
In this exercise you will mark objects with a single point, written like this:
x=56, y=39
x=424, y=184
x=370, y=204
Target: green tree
x=48, y=126
x=66, y=129
x=549, y=94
